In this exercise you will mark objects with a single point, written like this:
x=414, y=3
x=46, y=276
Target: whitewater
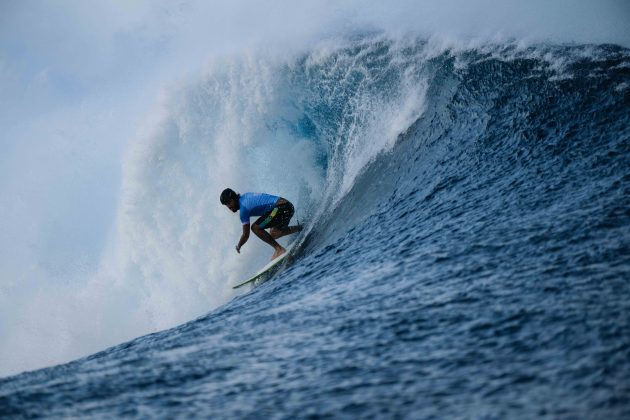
x=466, y=250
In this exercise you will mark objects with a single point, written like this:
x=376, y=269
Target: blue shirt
x=255, y=204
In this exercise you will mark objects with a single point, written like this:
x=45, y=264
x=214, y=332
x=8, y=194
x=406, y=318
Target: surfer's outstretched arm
x=244, y=238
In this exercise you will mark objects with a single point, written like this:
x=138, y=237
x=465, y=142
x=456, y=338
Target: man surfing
x=275, y=214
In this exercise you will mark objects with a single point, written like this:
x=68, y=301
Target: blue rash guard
x=255, y=204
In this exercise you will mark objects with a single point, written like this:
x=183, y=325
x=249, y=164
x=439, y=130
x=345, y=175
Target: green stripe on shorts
x=269, y=218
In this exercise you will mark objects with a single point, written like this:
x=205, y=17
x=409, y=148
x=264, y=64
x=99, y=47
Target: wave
x=467, y=214
x=307, y=126
x=399, y=152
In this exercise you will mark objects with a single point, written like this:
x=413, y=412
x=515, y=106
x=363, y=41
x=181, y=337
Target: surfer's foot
x=279, y=251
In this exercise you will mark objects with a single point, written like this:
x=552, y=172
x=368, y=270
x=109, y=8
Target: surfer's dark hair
x=227, y=195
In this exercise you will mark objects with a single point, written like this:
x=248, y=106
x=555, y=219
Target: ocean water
x=466, y=251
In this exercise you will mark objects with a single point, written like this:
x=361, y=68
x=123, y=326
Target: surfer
x=275, y=214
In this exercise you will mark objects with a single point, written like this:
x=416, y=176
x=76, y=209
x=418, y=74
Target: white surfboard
x=266, y=269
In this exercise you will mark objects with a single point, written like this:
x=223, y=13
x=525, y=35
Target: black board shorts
x=278, y=217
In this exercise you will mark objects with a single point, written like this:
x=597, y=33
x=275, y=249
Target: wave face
x=467, y=245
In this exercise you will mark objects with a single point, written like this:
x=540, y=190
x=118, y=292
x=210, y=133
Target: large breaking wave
x=461, y=189
x=305, y=127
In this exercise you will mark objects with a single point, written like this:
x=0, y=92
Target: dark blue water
x=479, y=269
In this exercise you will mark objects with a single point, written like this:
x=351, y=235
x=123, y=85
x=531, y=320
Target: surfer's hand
x=238, y=249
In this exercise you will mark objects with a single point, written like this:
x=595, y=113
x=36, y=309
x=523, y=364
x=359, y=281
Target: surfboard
x=268, y=269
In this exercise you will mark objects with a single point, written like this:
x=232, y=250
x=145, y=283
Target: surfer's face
x=232, y=205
